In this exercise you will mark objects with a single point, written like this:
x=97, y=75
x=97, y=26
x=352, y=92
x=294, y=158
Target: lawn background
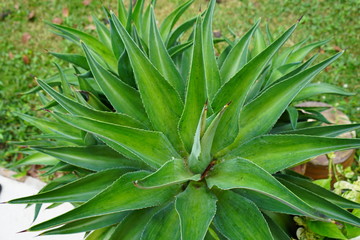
x=25, y=39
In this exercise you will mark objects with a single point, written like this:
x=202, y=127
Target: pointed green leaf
x=124, y=98
x=293, y=115
x=164, y=225
x=69, y=132
x=179, y=49
x=325, y=131
x=212, y=73
x=80, y=190
x=172, y=18
x=103, y=32
x=78, y=109
x=239, y=218
x=193, y=159
x=259, y=43
x=265, y=202
x=236, y=90
x=320, y=89
x=179, y=31
x=37, y=159
x=320, y=191
x=116, y=43
x=121, y=196
x=260, y=115
x=75, y=59
x=321, y=204
x=137, y=15
x=301, y=53
x=64, y=83
x=237, y=57
x=93, y=43
x=121, y=12
x=241, y=173
x=277, y=152
x=88, y=224
x=96, y=157
x=102, y=233
x=161, y=59
x=196, y=207
x=163, y=105
x=172, y=172
x=155, y=152
x=195, y=92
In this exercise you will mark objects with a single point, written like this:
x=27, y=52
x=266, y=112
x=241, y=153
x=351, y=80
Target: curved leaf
x=155, y=152
x=241, y=173
x=320, y=89
x=96, y=157
x=321, y=204
x=277, y=152
x=79, y=109
x=80, y=190
x=320, y=191
x=88, y=224
x=325, y=131
x=121, y=196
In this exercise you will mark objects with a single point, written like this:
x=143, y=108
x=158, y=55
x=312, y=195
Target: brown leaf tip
x=300, y=18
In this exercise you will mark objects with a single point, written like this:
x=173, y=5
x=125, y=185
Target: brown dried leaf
x=86, y=2
x=26, y=59
x=11, y=55
x=90, y=27
x=217, y=34
x=25, y=38
x=57, y=20
x=65, y=12
x=337, y=48
x=31, y=16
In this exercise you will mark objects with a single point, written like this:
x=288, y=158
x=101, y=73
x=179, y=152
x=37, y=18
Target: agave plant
x=161, y=138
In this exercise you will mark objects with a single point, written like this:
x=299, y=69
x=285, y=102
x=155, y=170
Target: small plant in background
x=159, y=137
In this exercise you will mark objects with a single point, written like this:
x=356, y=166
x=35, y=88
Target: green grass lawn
x=25, y=39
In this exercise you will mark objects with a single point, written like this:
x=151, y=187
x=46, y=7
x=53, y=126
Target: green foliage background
x=334, y=19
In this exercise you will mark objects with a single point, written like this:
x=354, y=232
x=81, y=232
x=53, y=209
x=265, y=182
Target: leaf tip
x=299, y=19
x=26, y=230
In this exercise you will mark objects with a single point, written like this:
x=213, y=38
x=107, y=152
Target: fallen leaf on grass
x=31, y=16
x=11, y=55
x=25, y=38
x=90, y=27
x=57, y=20
x=337, y=48
x=26, y=59
x=86, y=2
x=65, y=12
